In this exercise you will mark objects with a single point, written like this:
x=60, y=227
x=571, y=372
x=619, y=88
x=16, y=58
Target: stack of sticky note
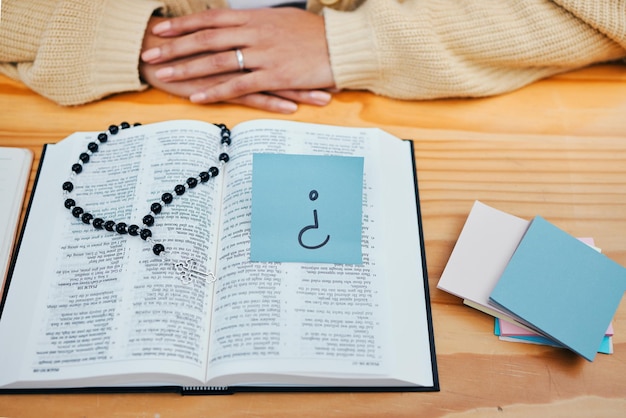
x=543, y=285
x=508, y=331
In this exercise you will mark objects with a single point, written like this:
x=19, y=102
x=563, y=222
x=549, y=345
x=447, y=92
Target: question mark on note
x=313, y=195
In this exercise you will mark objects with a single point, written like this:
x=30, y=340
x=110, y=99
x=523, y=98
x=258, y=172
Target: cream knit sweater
x=77, y=51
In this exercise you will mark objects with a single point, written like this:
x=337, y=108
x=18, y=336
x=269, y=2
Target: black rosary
x=123, y=228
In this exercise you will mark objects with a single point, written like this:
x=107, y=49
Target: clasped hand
x=284, y=53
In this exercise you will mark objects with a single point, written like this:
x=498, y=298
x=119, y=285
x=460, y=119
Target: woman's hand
x=284, y=52
x=281, y=101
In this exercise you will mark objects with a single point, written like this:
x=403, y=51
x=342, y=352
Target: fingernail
x=320, y=97
x=166, y=72
x=287, y=107
x=161, y=27
x=151, y=54
x=197, y=97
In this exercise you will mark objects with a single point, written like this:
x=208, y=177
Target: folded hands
x=283, y=51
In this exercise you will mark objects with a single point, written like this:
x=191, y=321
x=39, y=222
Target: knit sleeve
x=416, y=49
x=78, y=51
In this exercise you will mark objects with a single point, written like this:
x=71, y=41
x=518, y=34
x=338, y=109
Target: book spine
x=206, y=390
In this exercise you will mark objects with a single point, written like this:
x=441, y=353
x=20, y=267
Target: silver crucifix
x=188, y=272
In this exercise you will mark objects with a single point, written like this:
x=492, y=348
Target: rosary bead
x=133, y=230
x=204, y=177
x=158, y=249
x=136, y=124
x=226, y=136
x=214, y=171
x=114, y=129
x=68, y=186
x=148, y=220
x=179, y=189
x=77, y=211
x=92, y=146
x=220, y=125
x=77, y=168
x=86, y=217
x=109, y=226
x=192, y=182
x=224, y=157
x=167, y=198
x=125, y=125
x=102, y=137
x=69, y=203
x=145, y=234
x=84, y=157
x=97, y=223
x=120, y=228
x=156, y=208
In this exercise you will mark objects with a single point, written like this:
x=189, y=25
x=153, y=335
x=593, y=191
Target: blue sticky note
x=561, y=287
x=306, y=208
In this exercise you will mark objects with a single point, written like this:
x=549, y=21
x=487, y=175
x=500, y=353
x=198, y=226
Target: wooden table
x=556, y=148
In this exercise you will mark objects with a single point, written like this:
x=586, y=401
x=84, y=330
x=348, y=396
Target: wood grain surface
x=556, y=148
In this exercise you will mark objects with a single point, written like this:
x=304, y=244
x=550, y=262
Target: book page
x=86, y=302
x=15, y=166
x=318, y=321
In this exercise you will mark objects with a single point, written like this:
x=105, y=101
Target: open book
x=89, y=309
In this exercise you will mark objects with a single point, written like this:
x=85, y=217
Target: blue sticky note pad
x=306, y=208
x=561, y=287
